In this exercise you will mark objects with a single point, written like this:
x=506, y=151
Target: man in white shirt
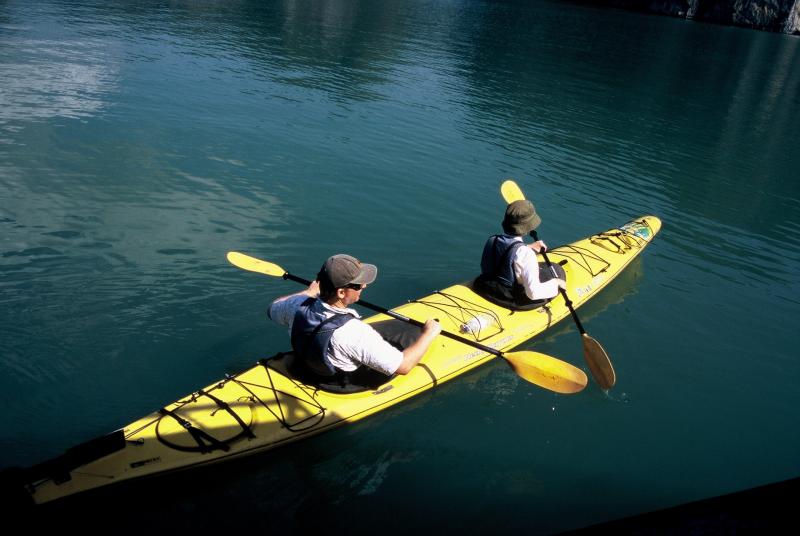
x=330, y=342
x=510, y=272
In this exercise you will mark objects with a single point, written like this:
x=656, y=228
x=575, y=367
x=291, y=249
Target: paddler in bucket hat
x=511, y=274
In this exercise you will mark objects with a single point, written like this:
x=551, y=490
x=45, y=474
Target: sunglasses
x=355, y=286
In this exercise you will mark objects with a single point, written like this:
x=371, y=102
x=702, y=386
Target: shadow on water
x=292, y=488
x=268, y=489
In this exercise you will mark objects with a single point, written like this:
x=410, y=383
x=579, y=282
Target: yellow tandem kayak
x=263, y=407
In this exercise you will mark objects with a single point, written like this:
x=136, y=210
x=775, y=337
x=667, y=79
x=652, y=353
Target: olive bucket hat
x=342, y=270
x=521, y=218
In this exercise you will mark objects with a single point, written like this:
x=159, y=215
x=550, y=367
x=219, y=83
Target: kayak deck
x=263, y=407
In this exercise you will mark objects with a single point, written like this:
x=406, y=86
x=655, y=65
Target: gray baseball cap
x=342, y=270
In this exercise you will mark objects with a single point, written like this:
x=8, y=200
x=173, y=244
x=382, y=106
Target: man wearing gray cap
x=332, y=346
x=510, y=273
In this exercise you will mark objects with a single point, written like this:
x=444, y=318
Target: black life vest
x=311, y=336
x=498, y=282
x=497, y=262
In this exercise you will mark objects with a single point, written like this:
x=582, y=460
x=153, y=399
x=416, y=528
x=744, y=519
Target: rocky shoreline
x=781, y=16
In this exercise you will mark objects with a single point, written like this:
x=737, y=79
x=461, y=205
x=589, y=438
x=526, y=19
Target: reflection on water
x=63, y=89
x=49, y=71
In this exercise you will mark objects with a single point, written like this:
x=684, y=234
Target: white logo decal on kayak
x=583, y=291
x=472, y=355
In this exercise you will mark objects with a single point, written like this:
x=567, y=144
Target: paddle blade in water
x=246, y=262
x=548, y=372
x=511, y=192
x=599, y=363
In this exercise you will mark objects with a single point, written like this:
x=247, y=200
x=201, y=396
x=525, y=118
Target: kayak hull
x=263, y=407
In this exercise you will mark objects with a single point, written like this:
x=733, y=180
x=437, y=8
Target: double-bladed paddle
x=538, y=369
x=596, y=357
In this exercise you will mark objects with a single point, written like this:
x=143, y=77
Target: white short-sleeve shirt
x=526, y=269
x=353, y=344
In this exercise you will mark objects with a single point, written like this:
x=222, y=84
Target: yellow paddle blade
x=548, y=372
x=599, y=363
x=511, y=192
x=246, y=262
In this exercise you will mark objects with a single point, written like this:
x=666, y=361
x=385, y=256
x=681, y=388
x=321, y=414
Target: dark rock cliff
x=771, y=15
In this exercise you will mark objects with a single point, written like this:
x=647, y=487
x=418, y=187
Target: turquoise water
x=141, y=141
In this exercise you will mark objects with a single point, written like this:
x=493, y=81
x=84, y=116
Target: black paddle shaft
x=563, y=292
x=417, y=323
